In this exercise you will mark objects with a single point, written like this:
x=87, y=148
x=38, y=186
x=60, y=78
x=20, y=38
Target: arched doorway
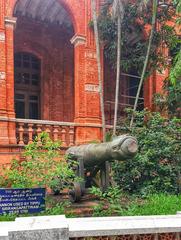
x=43, y=33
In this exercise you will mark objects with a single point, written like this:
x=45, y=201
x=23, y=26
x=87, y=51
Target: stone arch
x=70, y=11
x=30, y=50
x=63, y=3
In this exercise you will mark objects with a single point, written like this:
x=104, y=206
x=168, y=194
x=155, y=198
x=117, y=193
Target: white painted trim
x=10, y=21
x=77, y=40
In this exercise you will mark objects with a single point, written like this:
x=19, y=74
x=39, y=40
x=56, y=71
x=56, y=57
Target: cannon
x=95, y=158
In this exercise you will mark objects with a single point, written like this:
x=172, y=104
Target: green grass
x=154, y=205
x=157, y=204
x=7, y=218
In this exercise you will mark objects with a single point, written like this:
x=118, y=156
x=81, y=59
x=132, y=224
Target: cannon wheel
x=76, y=193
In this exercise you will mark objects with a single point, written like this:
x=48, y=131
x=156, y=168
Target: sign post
x=21, y=201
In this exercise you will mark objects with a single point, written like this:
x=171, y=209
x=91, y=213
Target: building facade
x=48, y=75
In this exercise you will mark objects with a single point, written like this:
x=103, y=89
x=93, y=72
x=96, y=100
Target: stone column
x=87, y=104
x=9, y=31
x=79, y=76
x=3, y=110
x=2, y=61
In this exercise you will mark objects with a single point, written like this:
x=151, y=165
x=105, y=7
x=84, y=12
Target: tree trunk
x=99, y=67
x=117, y=75
x=155, y=4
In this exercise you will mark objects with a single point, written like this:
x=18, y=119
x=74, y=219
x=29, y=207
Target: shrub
x=43, y=166
x=156, y=168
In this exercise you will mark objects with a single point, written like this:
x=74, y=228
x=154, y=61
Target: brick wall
x=68, y=71
x=63, y=95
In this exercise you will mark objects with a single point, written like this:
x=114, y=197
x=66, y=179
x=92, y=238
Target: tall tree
x=118, y=13
x=173, y=87
x=96, y=34
x=154, y=15
x=175, y=72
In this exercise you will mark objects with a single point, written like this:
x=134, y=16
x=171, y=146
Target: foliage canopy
x=135, y=32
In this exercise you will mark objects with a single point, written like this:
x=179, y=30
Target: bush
x=43, y=166
x=156, y=168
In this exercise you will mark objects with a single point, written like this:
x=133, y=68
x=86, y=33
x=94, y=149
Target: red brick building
x=48, y=75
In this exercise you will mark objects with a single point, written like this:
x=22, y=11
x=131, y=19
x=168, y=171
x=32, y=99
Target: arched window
x=27, y=85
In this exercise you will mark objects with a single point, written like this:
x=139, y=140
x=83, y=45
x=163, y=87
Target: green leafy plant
x=178, y=10
x=110, y=201
x=112, y=194
x=173, y=97
x=156, y=167
x=42, y=166
x=173, y=83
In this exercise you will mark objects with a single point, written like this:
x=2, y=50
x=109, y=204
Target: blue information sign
x=23, y=200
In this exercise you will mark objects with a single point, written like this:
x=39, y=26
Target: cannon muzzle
x=123, y=147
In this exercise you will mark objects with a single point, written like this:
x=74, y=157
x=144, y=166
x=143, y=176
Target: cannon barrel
x=94, y=158
x=121, y=148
